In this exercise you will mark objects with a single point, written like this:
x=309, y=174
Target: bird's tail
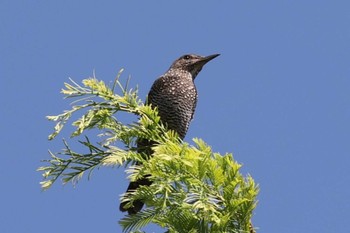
x=144, y=147
x=138, y=204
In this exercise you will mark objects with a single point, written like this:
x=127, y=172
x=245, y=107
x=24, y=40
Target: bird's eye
x=186, y=57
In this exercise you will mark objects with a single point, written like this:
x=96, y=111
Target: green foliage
x=193, y=189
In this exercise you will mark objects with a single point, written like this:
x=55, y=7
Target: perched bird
x=175, y=95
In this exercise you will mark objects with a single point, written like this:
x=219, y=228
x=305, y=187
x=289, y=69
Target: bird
x=175, y=96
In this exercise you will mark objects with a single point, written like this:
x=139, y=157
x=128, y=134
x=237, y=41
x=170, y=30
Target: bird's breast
x=176, y=101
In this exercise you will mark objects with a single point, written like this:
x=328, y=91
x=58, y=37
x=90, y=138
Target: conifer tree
x=193, y=188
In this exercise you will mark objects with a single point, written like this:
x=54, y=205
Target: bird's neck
x=180, y=73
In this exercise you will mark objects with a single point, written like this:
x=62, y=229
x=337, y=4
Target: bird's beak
x=211, y=57
x=198, y=65
x=206, y=59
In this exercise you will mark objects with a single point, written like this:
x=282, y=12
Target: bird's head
x=192, y=63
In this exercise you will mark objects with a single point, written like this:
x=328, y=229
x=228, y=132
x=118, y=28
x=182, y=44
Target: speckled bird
x=175, y=95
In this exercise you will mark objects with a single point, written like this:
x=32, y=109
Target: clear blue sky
x=278, y=97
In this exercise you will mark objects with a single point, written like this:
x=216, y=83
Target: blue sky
x=278, y=98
